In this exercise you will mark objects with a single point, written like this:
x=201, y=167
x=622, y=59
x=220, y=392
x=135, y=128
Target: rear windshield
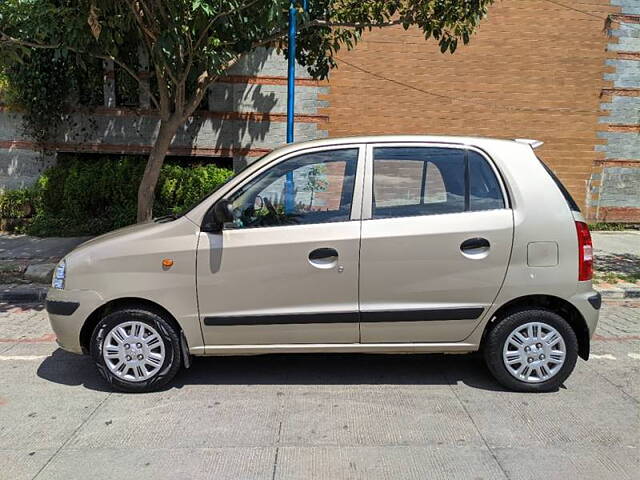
x=565, y=193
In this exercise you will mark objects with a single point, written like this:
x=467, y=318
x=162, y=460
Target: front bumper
x=68, y=310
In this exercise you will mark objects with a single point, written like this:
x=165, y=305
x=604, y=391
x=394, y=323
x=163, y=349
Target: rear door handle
x=475, y=245
x=324, y=257
x=323, y=253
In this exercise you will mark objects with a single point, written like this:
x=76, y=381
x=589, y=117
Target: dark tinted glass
x=410, y=181
x=310, y=188
x=484, y=189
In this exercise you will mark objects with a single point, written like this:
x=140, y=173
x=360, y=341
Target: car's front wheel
x=136, y=350
x=533, y=350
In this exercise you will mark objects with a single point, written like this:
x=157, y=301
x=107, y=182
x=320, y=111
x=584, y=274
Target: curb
x=24, y=295
x=618, y=293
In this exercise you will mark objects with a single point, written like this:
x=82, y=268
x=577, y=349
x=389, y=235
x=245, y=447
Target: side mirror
x=221, y=213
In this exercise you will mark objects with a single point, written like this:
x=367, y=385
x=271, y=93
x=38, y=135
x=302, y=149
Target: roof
x=455, y=140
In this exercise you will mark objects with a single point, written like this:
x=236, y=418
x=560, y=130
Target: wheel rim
x=133, y=351
x=534, y=352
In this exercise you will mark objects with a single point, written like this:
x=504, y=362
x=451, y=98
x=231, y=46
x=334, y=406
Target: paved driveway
x=326, y=417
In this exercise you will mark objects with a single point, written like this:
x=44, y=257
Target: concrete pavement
x=617, y=263
x=619, y=243
x=25, y=258
x=317, y=416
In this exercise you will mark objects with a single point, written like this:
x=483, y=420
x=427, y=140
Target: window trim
x=356, y=200
x=367, y=200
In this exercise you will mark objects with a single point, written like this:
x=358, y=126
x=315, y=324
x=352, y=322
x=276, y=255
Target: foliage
x=316, y=181
x=616, y=277
x=42, y=85
x=191, y=43
x=4, y=85
x=87, y=197
x=610, y=227
x=17, y=203
x=180, y=188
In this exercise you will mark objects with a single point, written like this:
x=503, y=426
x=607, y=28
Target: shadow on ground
x=625, y=263
x=12, y=306
x=307, y=369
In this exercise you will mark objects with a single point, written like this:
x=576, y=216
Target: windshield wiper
x=167, y=218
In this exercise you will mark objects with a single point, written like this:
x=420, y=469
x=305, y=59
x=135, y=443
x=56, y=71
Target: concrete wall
x=246, y=118
x=614, y=186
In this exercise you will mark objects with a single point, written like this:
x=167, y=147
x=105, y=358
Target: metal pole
x=289, y=187
x=291, y=79
x=291, y=64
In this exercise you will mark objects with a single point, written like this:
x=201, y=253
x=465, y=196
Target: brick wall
x=533, y=70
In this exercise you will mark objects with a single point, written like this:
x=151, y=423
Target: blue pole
x=291, y=79
x=289, y=192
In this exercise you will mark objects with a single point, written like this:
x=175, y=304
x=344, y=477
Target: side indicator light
x=167, y=263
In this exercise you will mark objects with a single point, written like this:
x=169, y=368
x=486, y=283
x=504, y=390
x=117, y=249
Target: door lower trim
x=283, y=319
x=430, y=315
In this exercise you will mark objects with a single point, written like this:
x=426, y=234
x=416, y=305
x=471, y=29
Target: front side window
x=412, y=181
x=310, y=188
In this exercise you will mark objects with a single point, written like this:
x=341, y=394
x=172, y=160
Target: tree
x=192, y=43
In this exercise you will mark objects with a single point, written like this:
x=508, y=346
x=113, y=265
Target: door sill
x=456, y=347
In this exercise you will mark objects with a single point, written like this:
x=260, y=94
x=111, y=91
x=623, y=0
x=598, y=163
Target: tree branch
x=145, y=28
x=203, y=35
x=24, y=43
x=328, y=23
x=205, y=80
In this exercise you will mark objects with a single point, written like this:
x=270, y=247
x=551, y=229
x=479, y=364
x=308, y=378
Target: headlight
x=59, y=275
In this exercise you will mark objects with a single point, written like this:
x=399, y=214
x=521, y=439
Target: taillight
x=585, y=252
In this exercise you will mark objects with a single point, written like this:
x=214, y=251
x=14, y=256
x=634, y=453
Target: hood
x=120, y=232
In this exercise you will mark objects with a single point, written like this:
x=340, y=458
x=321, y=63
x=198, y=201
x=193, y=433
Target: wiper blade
x=166, y=218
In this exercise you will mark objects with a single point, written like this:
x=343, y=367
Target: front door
x=285, y=271
x=436, y=241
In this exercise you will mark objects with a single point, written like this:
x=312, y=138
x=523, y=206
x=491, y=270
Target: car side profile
x=379, y=244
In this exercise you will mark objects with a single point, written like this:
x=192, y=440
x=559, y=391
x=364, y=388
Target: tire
x=518, y=362
x=129, y=356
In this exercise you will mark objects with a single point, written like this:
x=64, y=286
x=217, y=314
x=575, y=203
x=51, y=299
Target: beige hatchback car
x=390, y=244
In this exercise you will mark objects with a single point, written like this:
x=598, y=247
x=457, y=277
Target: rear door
x=436, y=239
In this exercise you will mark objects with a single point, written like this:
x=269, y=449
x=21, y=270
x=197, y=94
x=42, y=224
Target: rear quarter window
x=565, y=193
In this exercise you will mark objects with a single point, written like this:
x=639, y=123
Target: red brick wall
x=533, y=70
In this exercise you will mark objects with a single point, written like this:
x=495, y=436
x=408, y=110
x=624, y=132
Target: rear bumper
x=588, y=304
x=68, y=310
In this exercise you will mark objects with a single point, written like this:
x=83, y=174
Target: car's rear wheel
x=136, y=350
x=533, y=350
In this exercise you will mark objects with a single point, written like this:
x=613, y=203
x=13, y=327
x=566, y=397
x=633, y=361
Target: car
x=376, y=244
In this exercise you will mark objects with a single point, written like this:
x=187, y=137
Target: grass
x=613, y=277
x=611, y=227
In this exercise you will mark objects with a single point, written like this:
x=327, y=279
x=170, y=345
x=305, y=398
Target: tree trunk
x=146, y=191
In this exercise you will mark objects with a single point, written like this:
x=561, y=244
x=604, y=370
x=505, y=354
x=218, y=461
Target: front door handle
x=324, y=257
x=475, y=246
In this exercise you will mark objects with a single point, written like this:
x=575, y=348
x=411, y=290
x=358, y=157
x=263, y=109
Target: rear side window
x=414, y=181
x=484, y=189
x=565, y=193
